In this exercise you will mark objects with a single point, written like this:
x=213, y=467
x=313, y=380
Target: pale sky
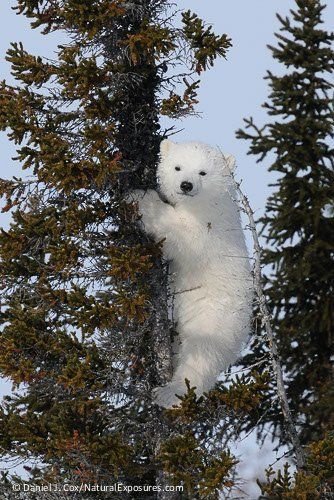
x=234, y=89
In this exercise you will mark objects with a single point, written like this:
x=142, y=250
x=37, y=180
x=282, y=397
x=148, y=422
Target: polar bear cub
x=197, y=218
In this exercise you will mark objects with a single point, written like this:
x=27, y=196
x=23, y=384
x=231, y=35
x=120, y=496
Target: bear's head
x=192, y=170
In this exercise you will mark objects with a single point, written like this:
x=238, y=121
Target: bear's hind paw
x=166, y=396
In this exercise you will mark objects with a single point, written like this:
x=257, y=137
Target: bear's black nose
x=186, y=186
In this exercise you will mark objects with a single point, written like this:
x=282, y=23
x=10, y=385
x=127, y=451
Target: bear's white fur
x=210, y=279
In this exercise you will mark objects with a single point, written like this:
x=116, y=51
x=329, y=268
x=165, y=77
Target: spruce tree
x=84, y=326
x=298, y=225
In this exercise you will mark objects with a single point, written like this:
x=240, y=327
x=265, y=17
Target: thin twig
x=266, y=322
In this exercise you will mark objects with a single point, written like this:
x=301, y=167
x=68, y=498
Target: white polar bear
x=210, y=282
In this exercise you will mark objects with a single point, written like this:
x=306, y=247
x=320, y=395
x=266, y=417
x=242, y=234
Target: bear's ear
x=230, y=162
x=165, y=147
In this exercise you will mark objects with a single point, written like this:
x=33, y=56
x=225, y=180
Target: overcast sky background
x=234, y=89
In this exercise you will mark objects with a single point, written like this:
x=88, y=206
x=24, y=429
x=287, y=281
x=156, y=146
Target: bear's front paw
x=166, y=396
x=148, y=201
x=134, y=196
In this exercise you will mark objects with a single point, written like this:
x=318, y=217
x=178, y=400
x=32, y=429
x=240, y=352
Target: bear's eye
x=177, y=168
x=202, y=173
